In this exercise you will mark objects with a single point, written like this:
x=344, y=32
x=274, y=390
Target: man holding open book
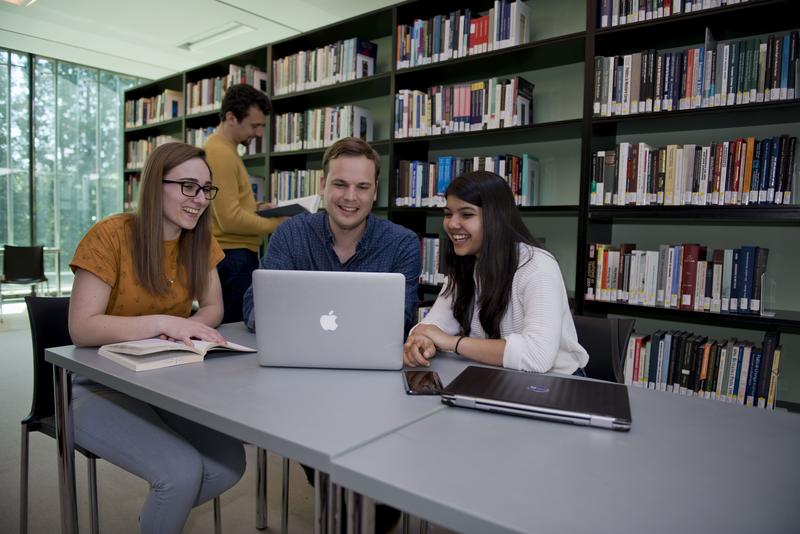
x=236, y=225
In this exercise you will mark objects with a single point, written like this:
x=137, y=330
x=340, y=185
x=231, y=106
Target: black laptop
x=555, y=398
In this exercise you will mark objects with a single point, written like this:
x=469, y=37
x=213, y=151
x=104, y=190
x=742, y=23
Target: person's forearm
x=489, y=351
x=210, y=315
x=103, y=329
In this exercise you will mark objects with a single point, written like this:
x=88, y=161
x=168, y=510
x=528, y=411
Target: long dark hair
x=494, y=268
x=148, y=227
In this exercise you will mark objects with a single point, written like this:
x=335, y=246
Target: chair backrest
x=606, y=341
x=23, y=263
x=49, y=318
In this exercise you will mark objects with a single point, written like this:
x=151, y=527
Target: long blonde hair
x=148, y=227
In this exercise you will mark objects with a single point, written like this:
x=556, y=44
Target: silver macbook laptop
x=329, y=319
x=563, y=399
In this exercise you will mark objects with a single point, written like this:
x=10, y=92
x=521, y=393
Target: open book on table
x=146, y=354
x=294, y=206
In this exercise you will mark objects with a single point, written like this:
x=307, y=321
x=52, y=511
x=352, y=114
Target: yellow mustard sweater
x=234, y=221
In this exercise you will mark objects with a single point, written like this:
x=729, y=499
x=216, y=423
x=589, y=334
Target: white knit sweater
x=537, y=326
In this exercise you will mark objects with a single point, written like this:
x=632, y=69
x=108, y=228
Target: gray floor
x=120, y=494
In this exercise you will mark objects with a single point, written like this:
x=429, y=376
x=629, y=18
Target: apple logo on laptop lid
x=328, y=321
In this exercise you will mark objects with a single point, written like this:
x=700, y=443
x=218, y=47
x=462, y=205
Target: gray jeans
x=185, y=463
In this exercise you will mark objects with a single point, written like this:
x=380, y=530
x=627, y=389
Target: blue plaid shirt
x=305, y=243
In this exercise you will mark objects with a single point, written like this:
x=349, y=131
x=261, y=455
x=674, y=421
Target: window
x=76, y=131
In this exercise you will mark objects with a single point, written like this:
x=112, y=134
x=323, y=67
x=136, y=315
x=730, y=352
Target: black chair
x=49, y=328
x=22, y=265
x=606, y=341
x=49, y=320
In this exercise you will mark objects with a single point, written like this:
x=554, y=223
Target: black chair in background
x=606, y=341
x=22, y=265
x=49, y=320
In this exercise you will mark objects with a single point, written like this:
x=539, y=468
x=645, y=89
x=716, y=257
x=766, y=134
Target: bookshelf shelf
x=203, y=114
x=353, y=90
x=525, y=210
x=784, y=321
x=756, y=214
x=550, y=131
x=703, y=118
x=254, y=157
x=133, y=171
x=726, y=22
x=172, y=124
x=381, y=147
x=536, y=55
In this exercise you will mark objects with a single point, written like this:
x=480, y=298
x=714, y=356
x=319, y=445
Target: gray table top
x=309, y=415
x=688, y=464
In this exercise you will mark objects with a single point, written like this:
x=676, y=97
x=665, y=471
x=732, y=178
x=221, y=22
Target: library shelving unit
x=559, y=59
x=771, y=226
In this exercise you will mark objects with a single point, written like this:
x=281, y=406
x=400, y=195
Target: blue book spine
x=738, y=371
x=699, y=82
x=752, y=379
x=747, y=257
x=785, y=66
x=665, y=360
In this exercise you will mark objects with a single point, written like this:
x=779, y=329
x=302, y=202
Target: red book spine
x=689, y=276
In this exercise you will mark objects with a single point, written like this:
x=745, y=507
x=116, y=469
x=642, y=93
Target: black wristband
x=455, y=349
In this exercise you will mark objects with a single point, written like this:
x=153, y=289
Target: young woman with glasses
x=136, y=276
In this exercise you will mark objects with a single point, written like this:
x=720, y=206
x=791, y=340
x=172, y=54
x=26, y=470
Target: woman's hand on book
x=183, y=330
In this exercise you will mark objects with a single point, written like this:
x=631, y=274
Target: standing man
x=237, y=227
x=347, y=236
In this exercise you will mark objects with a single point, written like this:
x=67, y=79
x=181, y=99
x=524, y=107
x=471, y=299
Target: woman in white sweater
x=504, y=302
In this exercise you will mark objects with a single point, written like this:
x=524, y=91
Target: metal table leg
x=62, y=381
x=261, y=488
x=285, y=497
x=360, y=513
x=321, y=497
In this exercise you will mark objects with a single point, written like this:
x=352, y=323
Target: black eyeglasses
x=191, y=189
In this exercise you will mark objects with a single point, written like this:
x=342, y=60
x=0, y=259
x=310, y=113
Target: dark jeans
x=386, y=517
x=236, y=275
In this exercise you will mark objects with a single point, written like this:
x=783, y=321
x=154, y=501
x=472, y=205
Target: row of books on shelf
x=431, y=263
x=130, y=194
x=148, y=110
x=286, y=185
x=423, y=183
x=337, y=62
x=682, y=277
x=464, y=107
x=684, y=363
x=758, y=69
x=738, y=172
x=206, y=94
x=321, y=127
x=137, y=152
x=620, y=12
x=461, y=33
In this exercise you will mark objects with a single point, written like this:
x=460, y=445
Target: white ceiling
x=143, y=37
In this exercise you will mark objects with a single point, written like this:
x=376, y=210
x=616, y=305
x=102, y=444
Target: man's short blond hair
x=354, y=147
